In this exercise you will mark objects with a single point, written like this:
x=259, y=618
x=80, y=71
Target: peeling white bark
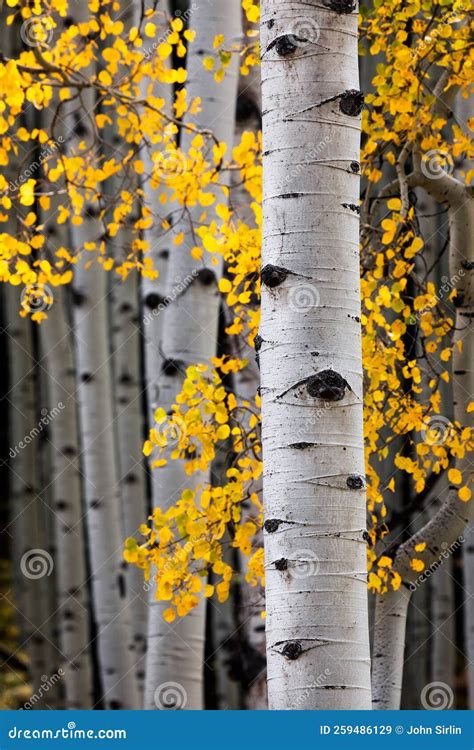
x=311, y=362
x=190, y=324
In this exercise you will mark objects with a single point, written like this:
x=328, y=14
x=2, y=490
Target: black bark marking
x=115, y=705
x=301, y=446
x=327, y=385
x=352, y=207
x=172, y=367
x=273, y=276
x=257, y=342
x=246, y=109
x=206, y=276
x=284, y=45
x=355, y=482
x=343, y=7
x=351, y=102
x=87, y=377
x=272, y=525
x=78, y=298
x=121, y=586
x=292, y=650
x=153, y=301
x=467, y=264
x=281, y=564
x=355, y=167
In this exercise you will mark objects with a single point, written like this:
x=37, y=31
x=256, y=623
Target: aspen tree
x=190, y=325
x=310, y=358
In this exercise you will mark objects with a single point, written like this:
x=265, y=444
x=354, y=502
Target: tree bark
x=444, y=532
x=70, y=557
x=112, y=607
x=190, y=324
x=311, y=362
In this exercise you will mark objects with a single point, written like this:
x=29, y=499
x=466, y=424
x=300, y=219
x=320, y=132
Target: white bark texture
x=190, y=325
x=447, y=526
x=112, y=608
x=311, y=362
x=32, y=553
x=70, y=554
x=129, y=421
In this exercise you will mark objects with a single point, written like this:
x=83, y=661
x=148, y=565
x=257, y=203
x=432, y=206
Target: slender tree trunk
x=70, y=557
x=311, y=362
x=447, y=526
x=33, y=559
x=175, y=653
x=112, y=607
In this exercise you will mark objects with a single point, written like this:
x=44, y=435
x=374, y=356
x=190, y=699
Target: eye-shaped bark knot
x=327, y=385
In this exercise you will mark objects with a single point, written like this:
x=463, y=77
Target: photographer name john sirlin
x=438, y=729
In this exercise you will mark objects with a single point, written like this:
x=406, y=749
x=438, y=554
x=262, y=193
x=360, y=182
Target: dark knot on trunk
x=273, y=276
x=355, y=482
x=327, y=385
x=351, y=102
x=292, y=650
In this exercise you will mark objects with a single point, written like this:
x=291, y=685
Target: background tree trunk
x=190, y=325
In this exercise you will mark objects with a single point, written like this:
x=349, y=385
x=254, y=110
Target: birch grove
x=236, y=318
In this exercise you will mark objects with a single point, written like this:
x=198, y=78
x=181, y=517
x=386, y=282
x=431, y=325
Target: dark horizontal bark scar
x=343, y=7
x=352, y=207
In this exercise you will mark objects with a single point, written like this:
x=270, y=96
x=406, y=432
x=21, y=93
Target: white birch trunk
x=32, y=553
x=70, y=555
x=311, y=362
x=190, y=323
x=112, y=608
x=447, y=526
